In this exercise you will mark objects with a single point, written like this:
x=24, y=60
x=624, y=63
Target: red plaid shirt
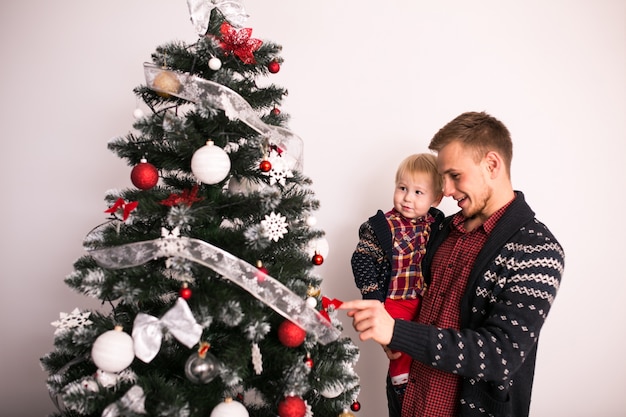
x=431, y=392
x=409, y=246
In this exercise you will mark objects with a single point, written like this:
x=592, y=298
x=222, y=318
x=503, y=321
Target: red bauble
x=144, y=175
x=292, y=406
x=260, y=276
x=265, y=166
x=290, y=334
x=185, y=292
x=275, y=111
x=317, y=259
x=273, y=67
x=308, y=362
x=356, y=406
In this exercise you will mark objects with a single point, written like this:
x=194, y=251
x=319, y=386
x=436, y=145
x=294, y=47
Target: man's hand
x=370, y=319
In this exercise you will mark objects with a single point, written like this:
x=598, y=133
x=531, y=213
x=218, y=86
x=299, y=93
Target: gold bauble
x=346, y=414
x=166, y=84
x=313, y=291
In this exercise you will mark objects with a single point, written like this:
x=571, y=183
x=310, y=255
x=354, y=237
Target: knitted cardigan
x=510, y=290
x=372, y=258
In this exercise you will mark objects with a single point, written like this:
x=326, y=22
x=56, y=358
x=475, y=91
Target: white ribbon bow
x=148, y=330
x=200, y=13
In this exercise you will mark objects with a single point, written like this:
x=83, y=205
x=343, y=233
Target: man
x=493, y=272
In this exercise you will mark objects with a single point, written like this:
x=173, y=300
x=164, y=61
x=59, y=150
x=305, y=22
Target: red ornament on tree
x=292, y=406
x=356, y=406
x=308, y=361
x=260, y=276
x=185, y=292
x=290, y=334
x=265, y=166
x=273, y=67
x=144, y=175
x=317, y=259
x=275, y=111
x=239, y=42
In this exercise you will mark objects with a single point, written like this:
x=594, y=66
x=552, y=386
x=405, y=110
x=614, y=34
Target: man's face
x=465, y=180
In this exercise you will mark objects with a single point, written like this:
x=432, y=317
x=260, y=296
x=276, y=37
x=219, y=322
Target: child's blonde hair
x=421, y=163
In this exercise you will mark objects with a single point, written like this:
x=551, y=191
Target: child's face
x=414, y=195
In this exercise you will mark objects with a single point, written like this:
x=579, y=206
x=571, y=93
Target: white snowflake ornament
x=71, y=320
x=274, y=226
x=281, y=169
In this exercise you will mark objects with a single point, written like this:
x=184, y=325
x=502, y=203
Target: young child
x=387, y=260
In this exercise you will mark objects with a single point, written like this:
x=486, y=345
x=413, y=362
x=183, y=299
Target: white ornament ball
x=311, y=302
x=210, y=164
x=229, y=408
x=311, y=221
x=113, y=350
x=332, y=390
x=138, y=113
x=215, y=63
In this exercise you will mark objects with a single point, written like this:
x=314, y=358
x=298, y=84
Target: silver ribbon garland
x=200, y=13
x=178, y=321
x=265, y=288
x=134, y=400
x=214, y=95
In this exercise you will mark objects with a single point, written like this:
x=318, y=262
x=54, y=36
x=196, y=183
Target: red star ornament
x=239, y=42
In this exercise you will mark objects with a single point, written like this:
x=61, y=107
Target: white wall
x=369, y=82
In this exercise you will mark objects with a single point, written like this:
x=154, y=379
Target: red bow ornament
x=239, y=42
x=187, y=197
x=328, y=303
x=126, y=208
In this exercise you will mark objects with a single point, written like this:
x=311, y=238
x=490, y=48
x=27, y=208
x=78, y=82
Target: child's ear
x=437, y=200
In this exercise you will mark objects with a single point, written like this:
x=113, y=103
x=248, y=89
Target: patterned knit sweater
x=509, y=293
x=373, y=256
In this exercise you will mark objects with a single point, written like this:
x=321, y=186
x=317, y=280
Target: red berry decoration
x=185, y=292
x=273, y=67
x=275, y=111
x=317, y=259
x=356, y=406
x=265, y=166
x=144, y=175
x=292, y=406
x=290, y=334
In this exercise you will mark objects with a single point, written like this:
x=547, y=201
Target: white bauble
x=113, y=350
x=229, y=408
x=138, y=113
x=215, y=63
x=332, y=390
x=210, y=164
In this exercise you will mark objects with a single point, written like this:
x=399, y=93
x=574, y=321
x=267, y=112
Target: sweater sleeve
x=509, y=304
x=368, y=265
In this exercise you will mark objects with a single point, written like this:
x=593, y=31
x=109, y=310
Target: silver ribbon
x=134, y=400
x=214, y=95
x=178, y=321
x=200, y=13
x=268, y=290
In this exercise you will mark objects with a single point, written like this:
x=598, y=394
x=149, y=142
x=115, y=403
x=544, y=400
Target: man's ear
x=493, y=163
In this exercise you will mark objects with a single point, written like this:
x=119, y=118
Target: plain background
x=369, y=82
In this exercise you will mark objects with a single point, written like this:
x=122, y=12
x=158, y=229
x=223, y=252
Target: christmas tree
x=206, y=267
